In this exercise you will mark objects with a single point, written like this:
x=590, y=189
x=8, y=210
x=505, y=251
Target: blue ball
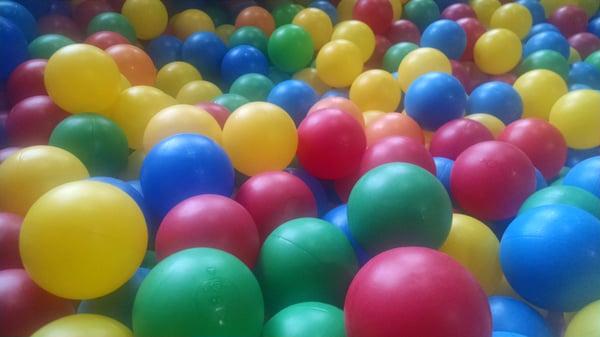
x=435, y=99
x=241, y=60
x=578, y=86
x=540, y=181
x=326, y=7
x=205, y=51
x=315, y=186
x=21, y=17
x=575, y=156
x=13, y=48
x=511, y=315
x=58, y=7
x=547, y=40
x=536, y=9
x=164, y=49
x=37, y=8
x=295, y=97
x=335, y=93
x=443, y=168
x=541, y=27
x=586, y=74
x=496, y=98
x=550, y=256
x=594, y=26
x=586, y=175
x=339, y=217
x=506, y=334
x=183, y=166
x=447, y=36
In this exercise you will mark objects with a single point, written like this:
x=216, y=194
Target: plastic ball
x=491, y=122
x=10, y=227
x=317, y=23
x=490, y=180
x=458, y=11
x=173, y=76
x=293, y=96
x=358, y=33
x=305, y=259
x=584, y=322
x=539, y=90
x=249, y=35
x=205, y=51
x=576, y=116
x=164, y=50
x=536, y=10
x=514, y=17
x=254, y=87
x=421, y=12
x=148, y=17
x=564, y=195
x=443, y=168
x=243, y=60
x=393, y=124
x=377, y=14
x=452, y=138
x=26, y=80
x=473, y=29
x=497, y=51
x=200, y=91
x=284, y=13
x=375, y=90
x=420, y=62
x=594, y=59
x=44, y=46
x=224, y=32
x=311, y=77
x=82, y=78
x=134, y=64
x=546, y=40
x=230, y=101
x=381, y=46
x=403, y=31
x=338, y=216
x=60, y=24
x=190, y=21
x=584, y=175
x=446, y=36
x=219, y=112
x=586, y=74
x=497, y=99
x=434, y=99
x=484, y=9
x=258, y=17
x=584, y=43
x=545, y=59
x=25, y=306
x=326, y=7
x=113, y=22
x=76, y=325
x=306, y=319
x=395, y=54
x=419, y=285
x=290, y=48
x=21, y=17
x=106, y=39
x=514, y=316
x=338, y=63
x=31, y=121
x=86, y=10
x=571, y=281
x=569, y=19
x=396, y=149
x=576, y=156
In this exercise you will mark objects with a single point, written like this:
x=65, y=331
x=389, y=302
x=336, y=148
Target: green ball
x=564, y=195
x=399, y=204
x=284, y=14
x=305, y=259
x=290, y=48
x=231, y=101
x=307, y=319
x=421, y=12
x=278, y=76
x=394, y=55
x=594, y=59
x=149, y=259
x=43, y=46
x=254, y=87
x=249, y=35
x=113, y=22
x=199, y=292
x=98, y=142
x=545, y=59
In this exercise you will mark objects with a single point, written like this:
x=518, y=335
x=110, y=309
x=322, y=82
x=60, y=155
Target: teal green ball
x=395, y=54
x=565, y=195
x=249, y=35
x=307, y=319
x=254, y=87
x=43, y=46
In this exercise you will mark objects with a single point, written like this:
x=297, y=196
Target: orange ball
x=393, y=124
x=341, y=103
x=134, y=64
x=258, y=17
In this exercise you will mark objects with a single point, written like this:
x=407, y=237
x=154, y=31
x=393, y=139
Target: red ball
x=273, y=198
x=476, y=76
x=473, y=29
x=490, y=180
x=32, y=120
x=569, y=19
x=452, y=138
x=461, y=73
x=382, y=44
x=219, y=112
x=60, y=24
x=25, y=307
x=458, y=11
x=10, y=226
x=415, y=292
x=585, y=43
x=508, y=78
x=541, y=141
x=403, y=31
x=26, y=80
x=106, y=39
x=209, y=221
x=86, y=10
x=330, y=144
x=377, y=14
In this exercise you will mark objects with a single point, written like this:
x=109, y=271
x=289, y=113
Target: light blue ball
x=447, y=36
x=511, y=315
x=547, y=40
x=295, y=97
x=585, y=175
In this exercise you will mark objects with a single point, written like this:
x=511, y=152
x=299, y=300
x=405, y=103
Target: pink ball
x=569, y=19
x=32, y=121
x=26, y=80
x=458, y=11
x=452, y=138
x=461, y=73
x=474, y=29
x=10, y=227
x=403, y=31
x=219, y=112
x=585, y=43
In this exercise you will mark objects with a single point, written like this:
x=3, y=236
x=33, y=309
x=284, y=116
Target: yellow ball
x=310, y=76
x=585, y=323
x=317, y=23
x=420, y=62
x=224, y=32
x=345, y=9
x=376, y=90
x=573, y=55
x=484, y=9
x=539, y=90
x=497, y=51
x=30, y=172
x=135, y=107
x=181, y=118
x=124, y=84
x=577, y=116
x=198, y=91
x=338, y=63
x=83, y=239
x=260, y=137
x=134, y=165
x=149, y=18
x=82, y=78
x=514, y=17
x=475, y=246
x=491, y=122
x=191, y=21
x=358, y=33
x=88, y=325
x=173, y=76
x=396, y=9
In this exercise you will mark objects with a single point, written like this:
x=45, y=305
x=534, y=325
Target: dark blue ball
x=498, y=99
x=547, y=40
x=13, y=48
x=241, y=60
x=514, y=316
x=339, y=217
x=594, y=26
x=21, y=17
x=295, y=97
x=205, y=51
x=164, y=49
x=575, y=156
x=37, y=8
x=447, y=36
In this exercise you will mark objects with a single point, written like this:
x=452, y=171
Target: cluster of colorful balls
x=359, y=168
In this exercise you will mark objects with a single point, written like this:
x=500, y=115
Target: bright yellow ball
x=420, y=62
x=491, y=122
x=260, y=137
x=585, y=323
x=484, y=9
x=149, y=18
x=577, y=116
x=376, y=90
x=82, y=78
x=198, y=91
x=473, y=244
x=30, y=172
x=539, y=90
x=224, y=32
x=497, y=51
x=191, y=21
x=317, y=23
x=310, y=76
x=358, y=33
x=173, y=76
x=345, y=9
x=338, y=63
x=89, y=325
x=514, y=17
x=134, y=165
x=83, y=239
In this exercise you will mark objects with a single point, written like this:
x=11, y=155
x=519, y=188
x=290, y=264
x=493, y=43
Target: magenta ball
x=585, y=43
x=458, y=11
x=403, y=31
x=569, y=19
x=452, y=138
